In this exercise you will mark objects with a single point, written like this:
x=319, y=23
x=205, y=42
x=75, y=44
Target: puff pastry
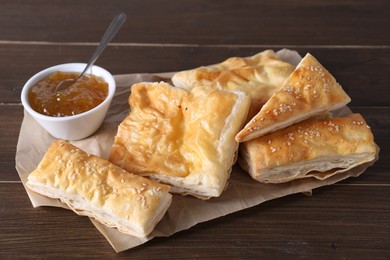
x=310, y=90
x=312, y=148
x=94, y=187
x=259, y=76
x=185, y=139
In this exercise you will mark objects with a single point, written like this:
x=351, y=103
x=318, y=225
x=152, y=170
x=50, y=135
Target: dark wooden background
x=351, y=38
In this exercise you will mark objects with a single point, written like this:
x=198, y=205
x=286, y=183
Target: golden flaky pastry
x=94, y=187
x=310, y=90
x=185, y=139
x=312, y=148
x=259, y=76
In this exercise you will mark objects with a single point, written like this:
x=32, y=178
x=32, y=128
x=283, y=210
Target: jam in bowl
x=83, y=95
x=72, y=113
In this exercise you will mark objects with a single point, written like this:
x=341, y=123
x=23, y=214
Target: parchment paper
x=184, y=212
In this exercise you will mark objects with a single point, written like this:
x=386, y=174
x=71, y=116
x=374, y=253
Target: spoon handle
x=111, y=31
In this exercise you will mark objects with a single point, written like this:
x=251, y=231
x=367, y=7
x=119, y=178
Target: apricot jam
x=85, y=94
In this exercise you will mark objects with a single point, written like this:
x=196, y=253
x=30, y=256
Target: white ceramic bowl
x=71, y=127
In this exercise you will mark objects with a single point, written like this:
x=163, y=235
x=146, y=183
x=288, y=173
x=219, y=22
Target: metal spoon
x=107, y=37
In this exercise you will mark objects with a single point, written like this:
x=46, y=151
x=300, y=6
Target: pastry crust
x=94, y=187
x=185, y=139
x=310, y=90
x=312, y=148
x=259, y=76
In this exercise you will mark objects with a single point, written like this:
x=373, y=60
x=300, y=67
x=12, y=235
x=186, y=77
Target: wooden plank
x=379, y=121
x=342, y=222
x=346, y=220
x=11, y=118
x=377, y=117
x=360, y=71
x=44, y=231
x=299, y=22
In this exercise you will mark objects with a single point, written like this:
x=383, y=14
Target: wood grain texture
x=348, y=220
x=11, y=118
x=332, y=222
x=358, y=70
x=302, y=22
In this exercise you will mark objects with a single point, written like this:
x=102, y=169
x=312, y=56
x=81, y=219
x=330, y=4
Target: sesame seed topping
x=357, y=123
x=122, y=180
x=273, y=149
x=332, y=125
x=142, y=199
x=269, y=141
x=326, y=86
x=284, y=108
x=289, y=89
x=308, y=86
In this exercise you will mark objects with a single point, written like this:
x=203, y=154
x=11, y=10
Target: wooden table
x=350, y=219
